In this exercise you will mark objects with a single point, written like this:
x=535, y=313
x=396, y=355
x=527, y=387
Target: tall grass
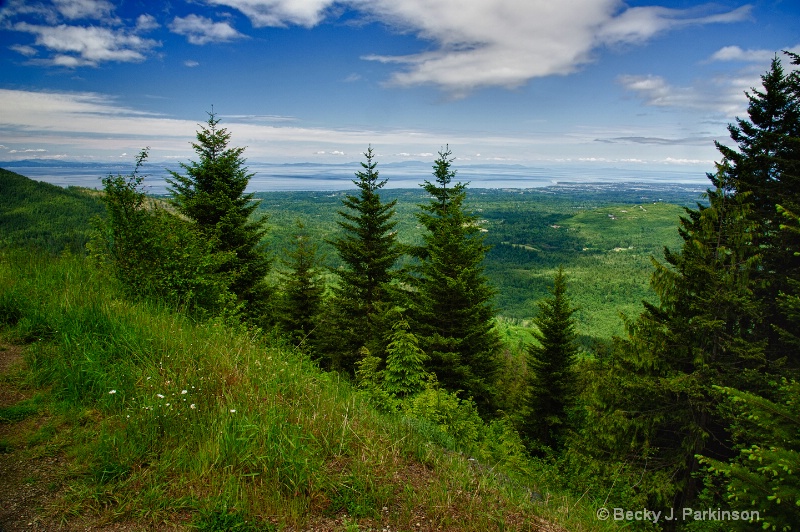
x=231, y=429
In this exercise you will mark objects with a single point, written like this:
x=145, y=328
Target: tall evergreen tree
x=653, y=406
x=303, y=290
x=369, y=250
x=453, y=312
x=212, y=194
x=155, y=254
x=766, y=166
x=551, y=368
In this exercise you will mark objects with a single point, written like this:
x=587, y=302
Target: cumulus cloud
x=201, y=30
x=734, y=53
x=494, y=42
x=83, y=9
x=88, y=45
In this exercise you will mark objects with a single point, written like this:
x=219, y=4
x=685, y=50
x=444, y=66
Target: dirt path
x=22, y=491
x=31, y=485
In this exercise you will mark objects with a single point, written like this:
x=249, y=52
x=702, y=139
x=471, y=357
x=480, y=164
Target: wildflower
x=193, y=406
x=112, y=392
x=159, y=396
x=184, y=392
x=167, y=404
x=233, y=410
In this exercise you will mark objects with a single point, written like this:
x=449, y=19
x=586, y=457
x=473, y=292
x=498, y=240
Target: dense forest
x=463, y=310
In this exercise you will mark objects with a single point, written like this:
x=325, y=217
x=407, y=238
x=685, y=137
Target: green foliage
x=212, y=195
x=551, y=373
x=302, y=290
x=765, y=476
x=405, y=364
x=168, y=418
x=766, y=166
x=652, y=405
x=153, y=253
x=456, y=417
x=368, y=250
x=44, y=216
x=453, y=313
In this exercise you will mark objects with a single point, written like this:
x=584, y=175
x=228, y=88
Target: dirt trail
x=29, y=487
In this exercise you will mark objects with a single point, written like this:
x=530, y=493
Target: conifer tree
x=766, y=166
x=155, y=254
x=405, y=372
x=653, y=406
x=368, y=249
x=551, y=368
x=764, y=478
x=303, y=290
x=453, y=312
x=212, y=194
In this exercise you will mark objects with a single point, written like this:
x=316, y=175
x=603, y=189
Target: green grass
x=163, y=419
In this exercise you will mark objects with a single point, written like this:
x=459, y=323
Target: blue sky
x=633, y=84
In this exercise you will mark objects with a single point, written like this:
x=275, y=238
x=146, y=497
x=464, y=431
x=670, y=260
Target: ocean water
x=320, y=177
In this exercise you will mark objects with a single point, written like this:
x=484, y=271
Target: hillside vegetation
x=162, y=420
x=45, y=216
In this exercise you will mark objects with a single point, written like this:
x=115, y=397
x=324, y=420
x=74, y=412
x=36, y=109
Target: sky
x=546, y=83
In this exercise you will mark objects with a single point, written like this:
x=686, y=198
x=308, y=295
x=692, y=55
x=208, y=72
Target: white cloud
x=38, y=150
x=27, y=51
x=82, y=9
x=494, y=42
x=638, y=24
x=201, y=30
x=280, y=13
x=145, y=22
x=723, y=95
x=734, y=53
x=88, y=45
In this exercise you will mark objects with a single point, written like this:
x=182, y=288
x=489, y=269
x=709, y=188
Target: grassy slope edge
x=164, y=421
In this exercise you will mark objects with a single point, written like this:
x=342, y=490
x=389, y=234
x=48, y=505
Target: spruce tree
x=369, y=250
x=303, y=290
x=212, y=195
x=453, y=312
x=405, y=372
x=765, y=165
x=653, y=407
x=551, y=368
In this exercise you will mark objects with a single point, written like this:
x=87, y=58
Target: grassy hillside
x=155, y=419
x=45, y=216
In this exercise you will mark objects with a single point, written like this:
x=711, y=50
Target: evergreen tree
x=766, y=166
x=551, y=368
x=453, y=312
x=303, y=290
x=154, y=254
x=652, y=406
x=212, y=194
x=765, y=476
x=368, y=250
x=405, y=372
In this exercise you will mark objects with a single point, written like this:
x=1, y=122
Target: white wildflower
x=184, y=392
x=193, y=406
x=112, y=392
x=233, y=410
x=159, y=396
